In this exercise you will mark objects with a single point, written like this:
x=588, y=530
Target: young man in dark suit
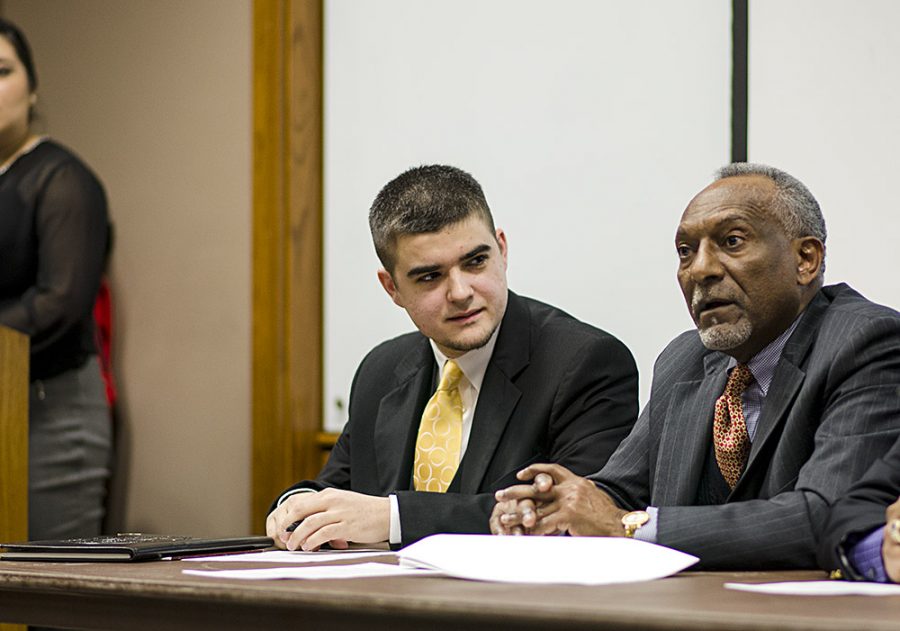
x=442, y=418
x=759, y=419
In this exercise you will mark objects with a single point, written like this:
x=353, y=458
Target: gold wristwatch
x=634, y=520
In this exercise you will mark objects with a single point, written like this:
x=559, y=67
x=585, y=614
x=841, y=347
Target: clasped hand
x=331, y=516
x=555, y=502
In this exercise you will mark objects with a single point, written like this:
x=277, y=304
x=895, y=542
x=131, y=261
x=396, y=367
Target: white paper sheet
x=579, y=560
x=818, y=588
x=358, y=570
x=285, y=557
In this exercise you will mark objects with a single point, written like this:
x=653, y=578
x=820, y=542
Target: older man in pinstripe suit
x=759, y=419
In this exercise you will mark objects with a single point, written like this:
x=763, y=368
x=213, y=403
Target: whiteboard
x=824, y=105
x=589, y=124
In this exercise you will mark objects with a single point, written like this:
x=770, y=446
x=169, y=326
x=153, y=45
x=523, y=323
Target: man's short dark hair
x=424, y=199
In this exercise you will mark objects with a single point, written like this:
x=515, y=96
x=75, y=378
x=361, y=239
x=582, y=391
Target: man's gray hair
x=795, y=207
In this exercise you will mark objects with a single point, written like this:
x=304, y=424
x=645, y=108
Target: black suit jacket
x=860, y=511
x=555, y=390
x=831, y=410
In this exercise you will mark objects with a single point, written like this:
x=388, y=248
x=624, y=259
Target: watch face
x=635, y=518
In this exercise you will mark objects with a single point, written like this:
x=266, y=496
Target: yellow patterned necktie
x=730, y=437
x=440, y=435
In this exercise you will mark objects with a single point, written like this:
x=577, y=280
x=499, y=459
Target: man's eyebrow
x=484, y=247
x=735, y=217
x=422, y=269
x=428, y=269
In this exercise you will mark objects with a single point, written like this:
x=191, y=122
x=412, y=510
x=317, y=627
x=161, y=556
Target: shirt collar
x=762, y=365
x=473, y=364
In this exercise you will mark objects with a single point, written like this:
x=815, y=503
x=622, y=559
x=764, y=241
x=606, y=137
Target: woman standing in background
x=53, y=236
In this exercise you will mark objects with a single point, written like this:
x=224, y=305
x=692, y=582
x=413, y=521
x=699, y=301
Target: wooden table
x=156, y=595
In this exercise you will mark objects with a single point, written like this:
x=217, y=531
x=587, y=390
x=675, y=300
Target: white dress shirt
x=473, y=365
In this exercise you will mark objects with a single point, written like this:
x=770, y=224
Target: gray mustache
x=699, y=297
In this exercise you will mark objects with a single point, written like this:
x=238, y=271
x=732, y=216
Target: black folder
x=126, y=547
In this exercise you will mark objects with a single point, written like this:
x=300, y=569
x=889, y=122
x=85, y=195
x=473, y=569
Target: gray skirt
x=69, y=454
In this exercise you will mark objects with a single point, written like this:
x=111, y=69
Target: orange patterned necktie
x=730, y=438
x=440, y=435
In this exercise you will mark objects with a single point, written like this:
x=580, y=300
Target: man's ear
x=387, y=281
x=810, y=254
x=501, y=243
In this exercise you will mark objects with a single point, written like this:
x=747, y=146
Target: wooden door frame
x=287, y=247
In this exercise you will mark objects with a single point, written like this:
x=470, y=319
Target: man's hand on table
x=331, y=516
x=890, y=548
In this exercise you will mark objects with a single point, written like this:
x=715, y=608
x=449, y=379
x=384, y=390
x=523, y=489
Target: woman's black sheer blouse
x=53, y=237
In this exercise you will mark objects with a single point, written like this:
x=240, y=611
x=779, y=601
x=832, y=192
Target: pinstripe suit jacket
x=831, y=410
x=861, y=510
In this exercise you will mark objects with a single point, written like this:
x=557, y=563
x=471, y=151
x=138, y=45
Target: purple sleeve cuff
x=865, y=556
x=647, y=532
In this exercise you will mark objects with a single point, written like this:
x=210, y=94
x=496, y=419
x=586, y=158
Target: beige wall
x=156, y=96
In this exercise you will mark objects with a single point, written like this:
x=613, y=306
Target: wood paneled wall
x=287, y=247
x=13, y=441
x=13, y=435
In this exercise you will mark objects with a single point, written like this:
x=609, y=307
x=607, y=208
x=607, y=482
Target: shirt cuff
x=394, y=538
x=287, y=494
x=865, y=556
x=647, y=532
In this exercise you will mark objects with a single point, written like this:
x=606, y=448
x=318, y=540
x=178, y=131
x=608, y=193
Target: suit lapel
x=498, y=396
x=399, y=414
x=684, y=444
x=786, y=381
